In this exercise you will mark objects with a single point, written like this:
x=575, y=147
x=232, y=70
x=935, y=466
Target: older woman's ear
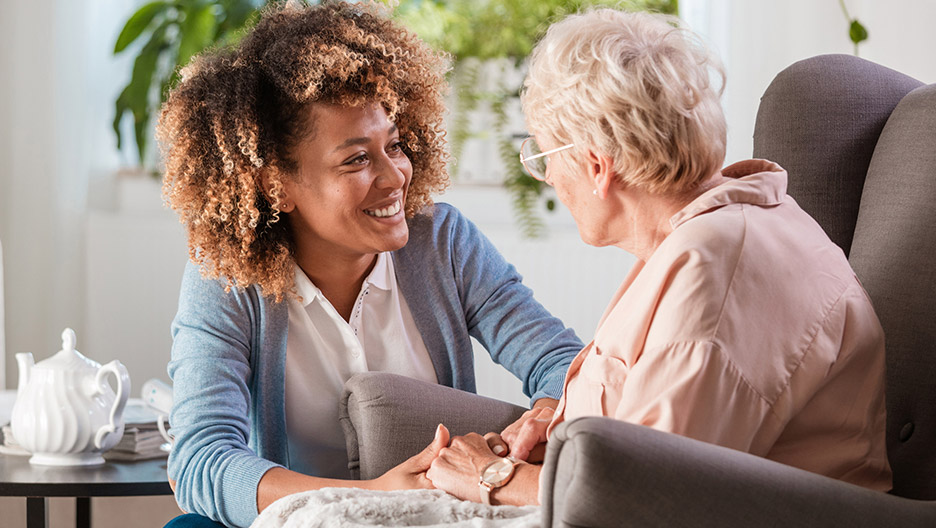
x=600, y=172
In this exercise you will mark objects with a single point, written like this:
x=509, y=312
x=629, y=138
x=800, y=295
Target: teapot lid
x=68, y=358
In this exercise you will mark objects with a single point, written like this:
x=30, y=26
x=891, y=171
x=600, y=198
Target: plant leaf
x=857, y=32
x=237, y=13
x=120, y=106
x=140, y=121
x=137, y=94
x=197, y=32
x=483, y=29
x=138, y=22
x=139, y=128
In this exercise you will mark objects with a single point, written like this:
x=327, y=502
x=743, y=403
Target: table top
x=19, y=478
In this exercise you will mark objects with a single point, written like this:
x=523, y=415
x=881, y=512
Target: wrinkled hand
x=526, y=438
x=458, y=467
x=412, y=473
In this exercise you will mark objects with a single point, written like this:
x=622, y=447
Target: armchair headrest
x=820, y=119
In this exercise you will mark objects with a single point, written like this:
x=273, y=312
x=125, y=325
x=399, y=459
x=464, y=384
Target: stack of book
x=141, y=439
x=8, y=446
x=139, y=443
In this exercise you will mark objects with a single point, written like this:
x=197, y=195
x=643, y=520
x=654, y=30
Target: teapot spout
x=25, y=363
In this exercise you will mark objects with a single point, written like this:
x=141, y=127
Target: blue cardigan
x=229, y=355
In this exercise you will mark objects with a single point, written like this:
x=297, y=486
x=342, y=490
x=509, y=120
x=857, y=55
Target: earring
x=595, y=192
x=284, y=207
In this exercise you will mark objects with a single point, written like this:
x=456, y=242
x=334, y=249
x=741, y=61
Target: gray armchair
x=859, y=142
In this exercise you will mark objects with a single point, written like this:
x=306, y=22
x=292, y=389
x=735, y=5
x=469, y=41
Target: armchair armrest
x=388, y=418
x=603, y=472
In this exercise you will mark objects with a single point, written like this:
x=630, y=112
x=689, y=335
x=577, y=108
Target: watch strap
x=485, y=488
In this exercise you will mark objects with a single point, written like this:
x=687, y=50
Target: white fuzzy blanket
x=347, y=508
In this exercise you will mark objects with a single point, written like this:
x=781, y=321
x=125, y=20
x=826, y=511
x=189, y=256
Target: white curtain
x=58, y=84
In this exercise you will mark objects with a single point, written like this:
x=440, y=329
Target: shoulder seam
x=809, y=345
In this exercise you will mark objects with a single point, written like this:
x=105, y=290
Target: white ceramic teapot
x=66, y=413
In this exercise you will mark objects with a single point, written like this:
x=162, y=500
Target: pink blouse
x=746, y=328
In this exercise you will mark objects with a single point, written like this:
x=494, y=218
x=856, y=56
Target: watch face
x=498, y=472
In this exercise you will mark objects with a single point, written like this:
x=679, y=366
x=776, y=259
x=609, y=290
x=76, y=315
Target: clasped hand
x=454, y=465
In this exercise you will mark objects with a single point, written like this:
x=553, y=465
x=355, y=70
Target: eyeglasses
x=534, y=160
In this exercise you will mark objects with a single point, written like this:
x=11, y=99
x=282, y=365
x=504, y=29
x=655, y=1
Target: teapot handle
x=123, y=393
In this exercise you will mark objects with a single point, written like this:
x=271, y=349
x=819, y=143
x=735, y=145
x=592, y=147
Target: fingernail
x=498, y=449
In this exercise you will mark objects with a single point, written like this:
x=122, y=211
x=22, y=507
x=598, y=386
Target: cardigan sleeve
x=501, y=313
x=216, y=473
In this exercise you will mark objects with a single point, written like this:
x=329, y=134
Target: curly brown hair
x=237, y=114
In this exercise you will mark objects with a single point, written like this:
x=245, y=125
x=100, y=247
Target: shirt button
x=906, y=431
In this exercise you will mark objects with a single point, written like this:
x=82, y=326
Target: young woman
x=302, y=162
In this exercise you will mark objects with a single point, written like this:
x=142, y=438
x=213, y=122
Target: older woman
x=302, y=164
x=741, y=324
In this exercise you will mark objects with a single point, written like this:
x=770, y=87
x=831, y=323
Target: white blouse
x=323, y=351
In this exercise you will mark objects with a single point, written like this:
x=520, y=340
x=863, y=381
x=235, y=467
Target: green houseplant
x=856, y=31
x=505, y=31
x=164, y=35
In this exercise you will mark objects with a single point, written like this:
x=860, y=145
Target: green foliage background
x=489, y=29
x=479, y=30
x=163, y=35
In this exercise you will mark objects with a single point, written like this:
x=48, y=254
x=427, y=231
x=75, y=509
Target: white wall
x=6, y=119
x=29, y=199
x=756, y=39
x=134, y=263
x=57, y=89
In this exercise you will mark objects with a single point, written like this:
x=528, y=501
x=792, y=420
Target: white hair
x=632, y=86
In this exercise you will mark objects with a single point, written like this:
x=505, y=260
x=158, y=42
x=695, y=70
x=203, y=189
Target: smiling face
x=346, y=201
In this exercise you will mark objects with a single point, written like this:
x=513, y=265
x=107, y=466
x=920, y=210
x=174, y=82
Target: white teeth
x=390, y=210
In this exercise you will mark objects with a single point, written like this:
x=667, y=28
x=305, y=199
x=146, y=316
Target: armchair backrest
x=893, y=254
x=861, y=157
x=820, y=119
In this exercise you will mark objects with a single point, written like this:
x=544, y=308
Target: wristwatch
x=495, y=475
